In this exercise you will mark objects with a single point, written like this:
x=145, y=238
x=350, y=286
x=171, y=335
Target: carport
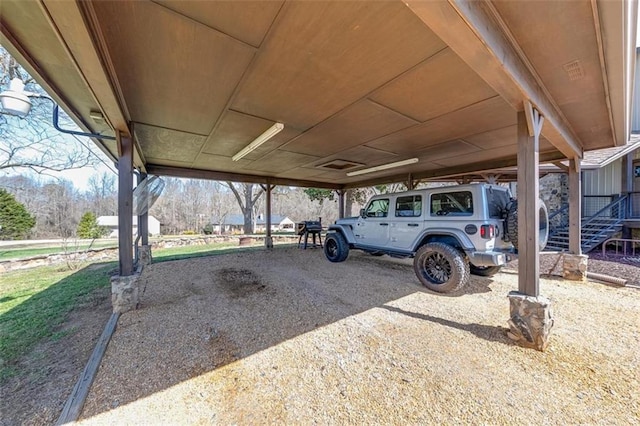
x=356, y=93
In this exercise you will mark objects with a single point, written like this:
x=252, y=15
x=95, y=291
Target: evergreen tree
x=88, y=227
x=15, y=220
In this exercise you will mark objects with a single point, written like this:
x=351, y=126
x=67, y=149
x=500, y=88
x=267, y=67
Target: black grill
x=309, y=227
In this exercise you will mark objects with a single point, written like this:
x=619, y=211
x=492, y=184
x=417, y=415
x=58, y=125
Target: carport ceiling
x=356, y=84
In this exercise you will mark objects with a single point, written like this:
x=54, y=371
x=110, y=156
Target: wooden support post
x=528, y=199
x=125, y=204
x=268, y=241
x=143, y=219
x=575, y=211
x=411, y=184
x=340, y=203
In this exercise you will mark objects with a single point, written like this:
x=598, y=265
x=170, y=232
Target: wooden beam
x=575, y=213
x=475, y=31
x=125, y=205
x=561, y=166
x=75, y=403
x=235, y=177
x=528, y=208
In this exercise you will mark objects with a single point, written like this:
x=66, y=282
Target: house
x=111, y=222
x=234, y=224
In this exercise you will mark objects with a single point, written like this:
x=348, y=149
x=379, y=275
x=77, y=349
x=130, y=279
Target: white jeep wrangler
x=449, y=231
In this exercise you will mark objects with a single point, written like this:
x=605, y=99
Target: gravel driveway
x=284, y=336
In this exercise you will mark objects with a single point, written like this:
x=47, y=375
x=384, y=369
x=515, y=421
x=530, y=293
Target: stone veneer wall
x=112, y=252
x=554, y=191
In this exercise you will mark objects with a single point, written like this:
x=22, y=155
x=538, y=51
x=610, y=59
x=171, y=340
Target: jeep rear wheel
x=441, y=267
x=336, y=248
x=484, y=271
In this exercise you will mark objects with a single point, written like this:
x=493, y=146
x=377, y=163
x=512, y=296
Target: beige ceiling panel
x=323, y=56
x=591, y=121
x=476, y=157
x=446, y=150
x=237, y=130
x=245, y=20
x=537, y=28
x=176, y=73
x=221, y=163
x=484, y=116
x=359, y=154
x=167, y=144
x=443, y=83
x=494, y=138
x=569, y=66
x=165, y=162
x=353, y=126
x=279, y=161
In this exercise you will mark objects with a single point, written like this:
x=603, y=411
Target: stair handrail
x=564, y=208
x=619, y=200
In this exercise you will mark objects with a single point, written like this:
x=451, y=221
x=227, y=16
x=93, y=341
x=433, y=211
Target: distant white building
x=111, y=222
x=234, y=223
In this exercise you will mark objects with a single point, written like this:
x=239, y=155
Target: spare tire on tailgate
x=511, y=223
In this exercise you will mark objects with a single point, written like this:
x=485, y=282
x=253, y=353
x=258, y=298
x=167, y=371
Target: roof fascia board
x=476, y=33
x=618, y=57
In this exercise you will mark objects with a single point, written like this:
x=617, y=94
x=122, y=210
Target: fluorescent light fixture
x=383, y=167
x=268, y=134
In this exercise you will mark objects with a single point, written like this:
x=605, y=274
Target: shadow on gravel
x=486, y=332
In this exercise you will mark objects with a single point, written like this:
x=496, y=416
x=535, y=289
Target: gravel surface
x=284, y=336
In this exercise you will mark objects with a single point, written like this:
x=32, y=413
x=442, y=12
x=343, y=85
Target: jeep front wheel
x=336, y=248
x=441, y=267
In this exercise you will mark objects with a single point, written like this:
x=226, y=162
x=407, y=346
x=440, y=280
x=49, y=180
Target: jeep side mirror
x=363, y=213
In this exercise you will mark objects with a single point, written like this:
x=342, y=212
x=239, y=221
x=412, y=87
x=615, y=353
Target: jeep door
x=373, y=228
x=407, y=222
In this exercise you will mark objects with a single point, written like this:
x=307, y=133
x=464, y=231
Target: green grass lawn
x=22, y=253
x=35, y=302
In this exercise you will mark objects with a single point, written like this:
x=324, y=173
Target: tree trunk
x=248, y=210
x=348, y=203
x=246, y=204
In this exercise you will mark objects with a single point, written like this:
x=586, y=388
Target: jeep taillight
x=487, y=231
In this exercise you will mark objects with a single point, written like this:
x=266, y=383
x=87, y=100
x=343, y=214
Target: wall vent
x=574, y=70
x=339, y=165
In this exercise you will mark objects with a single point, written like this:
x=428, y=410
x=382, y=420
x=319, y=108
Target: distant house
x=234, y=223
x=111, y=222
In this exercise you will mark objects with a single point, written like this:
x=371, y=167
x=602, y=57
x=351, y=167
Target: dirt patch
x=46, y=376
x=240, y=282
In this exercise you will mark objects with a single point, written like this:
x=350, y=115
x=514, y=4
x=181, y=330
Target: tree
x=88, y=227
x=246, y=201
x=32, y=142
x=15, y=220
